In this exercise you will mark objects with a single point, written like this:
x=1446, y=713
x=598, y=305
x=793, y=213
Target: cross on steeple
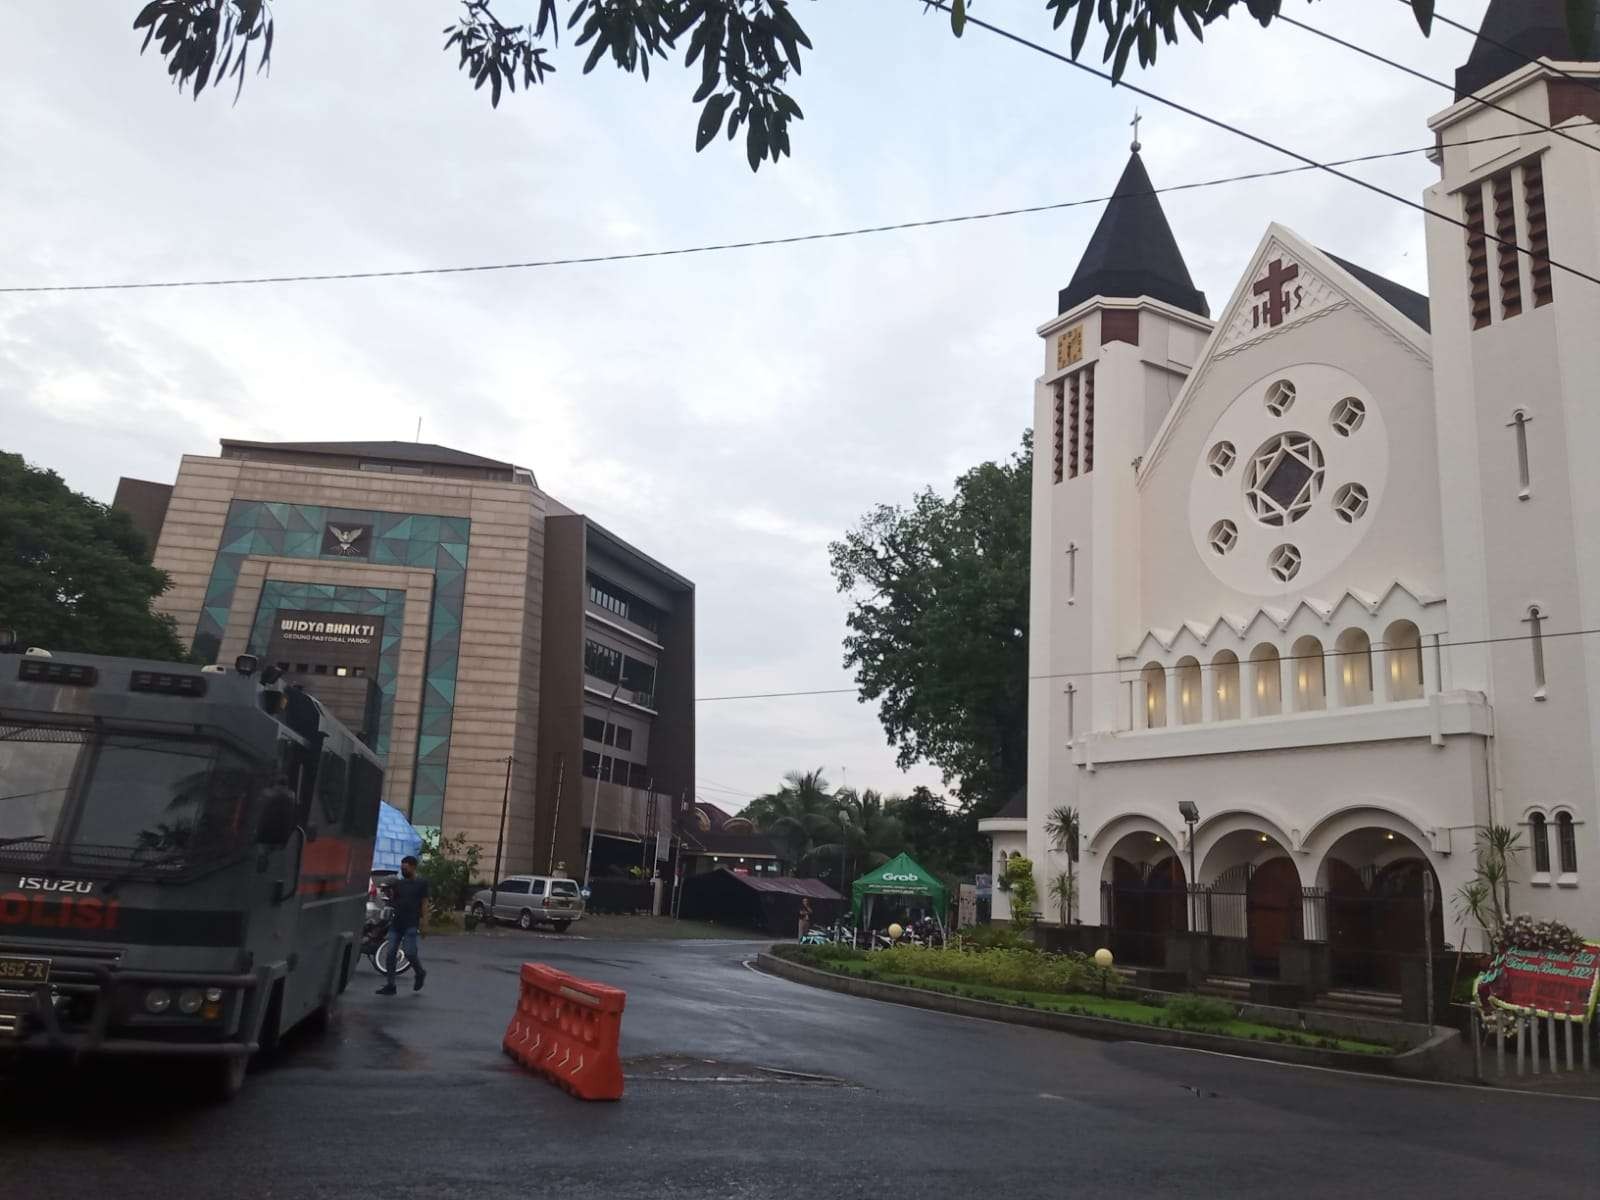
x=1135, y=123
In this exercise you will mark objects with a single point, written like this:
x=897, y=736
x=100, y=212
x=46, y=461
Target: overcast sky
x=728, y=413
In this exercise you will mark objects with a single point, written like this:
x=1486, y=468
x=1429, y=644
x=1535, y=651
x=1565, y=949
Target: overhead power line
x=1258, y=139
x=718, y=247
x=1437, y=82
x=1131, y=672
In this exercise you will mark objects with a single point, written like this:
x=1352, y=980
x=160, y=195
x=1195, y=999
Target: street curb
x=1422, y=1062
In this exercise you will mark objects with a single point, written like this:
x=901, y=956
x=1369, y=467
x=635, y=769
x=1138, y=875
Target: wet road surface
x=410, y=1096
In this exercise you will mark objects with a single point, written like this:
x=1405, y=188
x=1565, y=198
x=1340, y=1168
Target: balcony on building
x=1359, y=683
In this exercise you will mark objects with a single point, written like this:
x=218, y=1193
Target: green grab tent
x=900, y=876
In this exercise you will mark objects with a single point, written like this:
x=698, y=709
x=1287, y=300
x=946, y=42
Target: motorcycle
x=375, y=939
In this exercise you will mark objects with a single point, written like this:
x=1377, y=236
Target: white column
x=1141, y=703
x=1380, y=673
x=1174, y=709
x=1331, y=683
x=1430, y=663
x=1208, y=694
x=1288, y=692
x=1247, y=688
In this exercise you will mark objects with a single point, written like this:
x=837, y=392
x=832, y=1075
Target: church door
x=1272, y=912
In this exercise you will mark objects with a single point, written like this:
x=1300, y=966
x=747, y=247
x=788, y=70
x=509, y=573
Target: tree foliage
x=938, y=625
x=822, y=829
x=449, y=864
x=1144, y=25
x=74, y=573
x=743, y=50
x=1023, y=891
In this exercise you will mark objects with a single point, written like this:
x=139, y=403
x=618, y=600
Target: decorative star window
x=1284, y=562
x=1280, y=397
x=1223, y=537
x=1347, y=416
x=1220, y=460
x=1350, y=503
x=1283, y=479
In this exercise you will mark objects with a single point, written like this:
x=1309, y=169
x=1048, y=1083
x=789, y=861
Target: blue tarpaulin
x=396, y=839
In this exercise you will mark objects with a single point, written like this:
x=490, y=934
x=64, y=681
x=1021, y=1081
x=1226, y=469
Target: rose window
x=1283, y=479
x=1280, y=397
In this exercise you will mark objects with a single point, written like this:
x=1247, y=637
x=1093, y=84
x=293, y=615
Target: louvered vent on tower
x=1060, y=430
x=1088, y=418
x=1538, y=232
x=1505, y=229
x=1477, y=257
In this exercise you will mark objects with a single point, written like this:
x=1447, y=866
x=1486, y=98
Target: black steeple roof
x=1133, y=252
x=1514, y=31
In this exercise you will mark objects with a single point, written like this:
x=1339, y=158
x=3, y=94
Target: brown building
x=457, y=616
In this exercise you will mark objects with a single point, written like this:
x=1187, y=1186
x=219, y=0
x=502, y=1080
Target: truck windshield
x=36, y=768
x=138, y=798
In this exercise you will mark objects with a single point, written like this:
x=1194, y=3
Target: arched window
x=1225, y=685
x=1354, y=667
x=1309, y=695
x=1567, y=843
x=1155, y=696
x=1266, y=679
x=1539, y=836
x=1404, y=643
x=1189, y=697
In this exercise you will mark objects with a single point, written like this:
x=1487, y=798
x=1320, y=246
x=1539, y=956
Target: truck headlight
x=157, y=1001
x=189, y=1001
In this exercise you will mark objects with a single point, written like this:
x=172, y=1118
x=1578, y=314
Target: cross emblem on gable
x=1279, y=300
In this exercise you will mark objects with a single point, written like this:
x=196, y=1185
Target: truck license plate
x=24, y=970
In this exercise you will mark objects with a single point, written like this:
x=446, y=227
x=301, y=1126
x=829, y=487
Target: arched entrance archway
x=1251, y=904
x=1375, y=881
x=1143, y=893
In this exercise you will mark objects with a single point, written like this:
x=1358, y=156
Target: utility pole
x=555, y=817
x=500, y=843
x=594, y=807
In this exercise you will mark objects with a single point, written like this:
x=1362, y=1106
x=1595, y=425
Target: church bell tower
x=1128, y=327
x=1516, y=370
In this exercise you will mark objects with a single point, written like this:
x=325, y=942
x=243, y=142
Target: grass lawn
x=1133, y=1011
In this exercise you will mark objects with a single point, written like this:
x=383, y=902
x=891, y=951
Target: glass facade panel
x=297, y=531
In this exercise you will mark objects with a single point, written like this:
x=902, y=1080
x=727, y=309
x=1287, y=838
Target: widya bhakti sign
x=1544, y=983
x=327, y=629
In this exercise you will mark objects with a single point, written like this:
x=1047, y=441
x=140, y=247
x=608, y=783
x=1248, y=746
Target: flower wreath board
x=1543, y=983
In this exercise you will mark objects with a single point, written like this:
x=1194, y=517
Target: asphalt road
x=410, y=1096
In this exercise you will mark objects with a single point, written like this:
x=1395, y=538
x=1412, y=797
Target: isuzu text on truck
x=184, y=858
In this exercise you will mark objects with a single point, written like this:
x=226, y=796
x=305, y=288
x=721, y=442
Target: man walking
x=408, y=896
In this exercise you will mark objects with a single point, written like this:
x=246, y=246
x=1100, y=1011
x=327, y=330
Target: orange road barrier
x=567, y=1030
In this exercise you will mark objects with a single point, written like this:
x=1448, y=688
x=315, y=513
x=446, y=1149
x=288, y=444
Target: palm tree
x=1064, y=891
x=797, y=814
x=1061, y=827
x=864, y=834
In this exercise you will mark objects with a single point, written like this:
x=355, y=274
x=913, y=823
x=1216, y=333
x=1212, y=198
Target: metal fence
x=1561, y=1044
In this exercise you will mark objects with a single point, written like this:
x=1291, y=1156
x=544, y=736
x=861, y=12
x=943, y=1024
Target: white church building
x=1327, y=565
